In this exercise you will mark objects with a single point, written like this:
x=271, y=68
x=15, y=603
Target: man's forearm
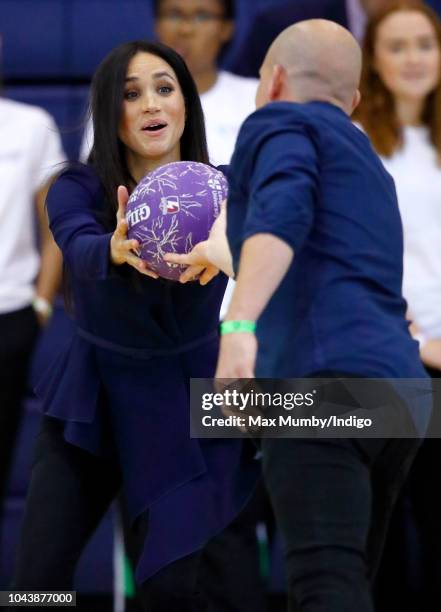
x=217, y=249
x=264, y=262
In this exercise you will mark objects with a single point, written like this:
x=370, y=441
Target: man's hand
x=237, y=356
x=208, y=257
x=121, y=249
x=198, y=264
x=430, y=353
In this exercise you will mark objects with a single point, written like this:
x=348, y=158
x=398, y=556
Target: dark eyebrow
x=156, y=75
x=160, y=75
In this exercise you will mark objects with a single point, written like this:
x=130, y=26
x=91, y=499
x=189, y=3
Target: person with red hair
x=400, y=111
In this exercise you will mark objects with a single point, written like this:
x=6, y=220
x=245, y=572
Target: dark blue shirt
x=305, y=173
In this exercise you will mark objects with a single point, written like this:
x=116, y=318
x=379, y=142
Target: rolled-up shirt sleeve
x=82, y=239
x=283, y=187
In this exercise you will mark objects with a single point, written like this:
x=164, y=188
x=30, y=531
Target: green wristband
x=237, y=327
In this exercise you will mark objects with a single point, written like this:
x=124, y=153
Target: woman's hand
x=208, y=257
x=121, y=249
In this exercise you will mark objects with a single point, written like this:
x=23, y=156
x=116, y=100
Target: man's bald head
x=318, y=60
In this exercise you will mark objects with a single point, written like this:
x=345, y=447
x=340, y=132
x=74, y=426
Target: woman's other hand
x=122, y=249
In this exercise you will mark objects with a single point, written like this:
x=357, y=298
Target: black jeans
x=230, y=572
x=333, y=499
x=18, y=332
x=425, y=495
x=69, y=492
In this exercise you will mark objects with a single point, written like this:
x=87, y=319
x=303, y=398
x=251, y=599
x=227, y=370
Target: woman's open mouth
x=154, y=127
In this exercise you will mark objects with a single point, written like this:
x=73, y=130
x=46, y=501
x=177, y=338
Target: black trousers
x=230, y=572
x=18, y=332
x=69, y=492
x=333, y=499
x=425, y=496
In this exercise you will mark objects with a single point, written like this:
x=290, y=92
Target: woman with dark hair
x=400, y=111
x=117, y=399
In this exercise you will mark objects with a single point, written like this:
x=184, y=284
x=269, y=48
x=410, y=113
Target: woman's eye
x=427, y=45
x=165, y=89
x=130, y=95
x=396, y=48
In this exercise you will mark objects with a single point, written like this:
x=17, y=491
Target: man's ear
x=356, y=100
x=277, y=83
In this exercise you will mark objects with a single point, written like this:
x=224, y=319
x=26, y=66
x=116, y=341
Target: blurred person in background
x=400, y=111
x=199, y=30
x=30, y=150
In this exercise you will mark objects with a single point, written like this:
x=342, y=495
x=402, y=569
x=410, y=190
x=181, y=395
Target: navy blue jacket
x=121, y=382
x=149, y=314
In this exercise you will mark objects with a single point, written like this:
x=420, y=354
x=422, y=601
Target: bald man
x=315, y=235
x=315, y=240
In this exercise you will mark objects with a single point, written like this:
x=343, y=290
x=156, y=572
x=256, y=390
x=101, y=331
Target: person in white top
x=400, y=111
x=30, y=150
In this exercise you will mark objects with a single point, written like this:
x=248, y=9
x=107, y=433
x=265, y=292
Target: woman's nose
x=414, y=55
x=150, y=104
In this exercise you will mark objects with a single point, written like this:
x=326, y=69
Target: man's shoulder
x=278, y=116
x=277, y=127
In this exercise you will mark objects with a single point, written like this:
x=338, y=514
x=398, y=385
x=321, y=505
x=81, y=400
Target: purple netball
x=172, y=209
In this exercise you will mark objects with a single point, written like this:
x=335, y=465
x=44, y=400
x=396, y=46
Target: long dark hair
x=376, y=111
x=108, y=152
